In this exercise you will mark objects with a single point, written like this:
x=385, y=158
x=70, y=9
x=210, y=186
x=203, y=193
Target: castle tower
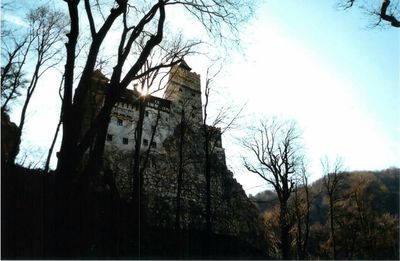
x=184, y=90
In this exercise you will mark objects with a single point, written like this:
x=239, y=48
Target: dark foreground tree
x=136, y=23
x=387, y=12
x=141, y=22
x=275, y=155
x=39, y=48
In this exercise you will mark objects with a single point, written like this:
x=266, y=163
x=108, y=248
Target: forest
x=366, y=211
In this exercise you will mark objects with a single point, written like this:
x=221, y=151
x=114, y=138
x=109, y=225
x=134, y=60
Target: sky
x=324, y=68
x=306, y=61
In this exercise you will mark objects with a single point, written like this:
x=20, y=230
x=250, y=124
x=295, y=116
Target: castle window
x=119, y=122
x=145, y=142
x=125, y=140
x=109, y=137
x=154, y=145
x=147, y=113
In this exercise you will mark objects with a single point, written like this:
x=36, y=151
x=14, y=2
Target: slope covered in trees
x=366, y=217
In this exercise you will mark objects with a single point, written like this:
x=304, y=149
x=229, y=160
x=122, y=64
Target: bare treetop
x=276, y=148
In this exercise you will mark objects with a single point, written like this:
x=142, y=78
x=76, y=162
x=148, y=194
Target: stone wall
x=231, y=212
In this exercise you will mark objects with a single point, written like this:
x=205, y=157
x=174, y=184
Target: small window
x=109, y=137
x=180, y=89
x=119, y=122
x=145, y=142
x=125, y=140
x=166, y=118
x=147, y=113
x=154, y=145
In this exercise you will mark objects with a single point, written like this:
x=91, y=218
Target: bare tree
x=141, y=159
x=41, y=43
x=388, y=11
x=47, y=29
x=302, y=207
x=275, y=153
x=134, y=22
x=12, y=76
x=53, y=142
x=331, y=181
x=212, y=132
x=149, y=27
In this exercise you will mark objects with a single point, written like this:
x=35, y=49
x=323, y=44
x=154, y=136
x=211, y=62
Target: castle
x=173, y=138
x=182, y=96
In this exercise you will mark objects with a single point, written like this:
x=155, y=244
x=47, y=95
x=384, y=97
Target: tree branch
x=390, y=18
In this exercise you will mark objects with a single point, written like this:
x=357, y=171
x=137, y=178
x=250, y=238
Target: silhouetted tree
x=139, y=22
x=331, y=181
x=53, y=142
x=274, y=146
x=148, y=28
x=41, y=43
x=387, y=11
x=212, y=132
x=302, y=208
x=12, y=76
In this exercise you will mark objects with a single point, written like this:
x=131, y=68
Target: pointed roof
x=184, y=65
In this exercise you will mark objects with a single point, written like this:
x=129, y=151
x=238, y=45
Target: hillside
x=384, y=184
x=366, y=216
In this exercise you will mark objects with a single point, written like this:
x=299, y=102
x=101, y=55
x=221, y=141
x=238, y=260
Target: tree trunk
x=284, y=227
x=307, y=223
x=332, y=225
x=137, y=178
x=46, y=166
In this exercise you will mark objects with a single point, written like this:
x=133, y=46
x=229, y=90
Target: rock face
x=172, y=144
x=9, y=140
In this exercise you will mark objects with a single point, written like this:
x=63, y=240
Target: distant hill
x=383, y=185
x=366, y=217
